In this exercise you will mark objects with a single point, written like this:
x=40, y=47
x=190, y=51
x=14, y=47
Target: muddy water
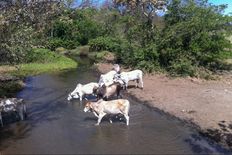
x=57, y=127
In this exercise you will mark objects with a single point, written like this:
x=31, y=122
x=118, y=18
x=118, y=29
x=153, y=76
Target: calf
x=106, y=92
x=82, y=90
x=101, y=108
x=130, y=76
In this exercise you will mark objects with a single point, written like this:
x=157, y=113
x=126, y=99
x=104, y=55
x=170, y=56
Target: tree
x=194, y=35
x=20, y=20
x=147, y=7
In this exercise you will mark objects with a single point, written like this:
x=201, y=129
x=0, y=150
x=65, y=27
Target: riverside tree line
x=181, y=37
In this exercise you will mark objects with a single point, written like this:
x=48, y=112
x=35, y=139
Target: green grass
x=225, y=55
x=43, y=60
x=38, y=68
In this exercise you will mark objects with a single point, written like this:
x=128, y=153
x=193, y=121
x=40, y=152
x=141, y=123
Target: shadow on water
x=56, y=126
x=208, y=147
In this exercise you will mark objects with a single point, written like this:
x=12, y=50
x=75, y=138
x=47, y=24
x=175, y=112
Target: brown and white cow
x=106, y=92
x=101, y=108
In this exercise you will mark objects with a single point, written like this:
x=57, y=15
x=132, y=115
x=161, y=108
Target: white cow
x=130, y=76
x=101, y=108
x=107, y=78
x=82, y=90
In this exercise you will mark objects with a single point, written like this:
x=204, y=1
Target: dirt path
x=208, y=104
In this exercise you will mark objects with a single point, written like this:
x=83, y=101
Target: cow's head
x=88, y=107
x=75, y=93
x=72, y=95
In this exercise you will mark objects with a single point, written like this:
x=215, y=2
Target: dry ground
x=208, y=104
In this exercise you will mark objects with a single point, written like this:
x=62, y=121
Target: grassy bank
x=38, y=68
x=37, y=61
x=43, y=60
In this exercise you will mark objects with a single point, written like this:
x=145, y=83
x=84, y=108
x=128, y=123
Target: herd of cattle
x=109, y=84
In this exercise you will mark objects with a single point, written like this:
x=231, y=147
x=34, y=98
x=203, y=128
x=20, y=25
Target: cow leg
x=137, y=83
x=126, y=85
x=100, y=118
x=1, y=119
x=110, y=120
x=141, y=81
x=95, y=114
x=118, y=93
x=81, y=96
x=127, y=119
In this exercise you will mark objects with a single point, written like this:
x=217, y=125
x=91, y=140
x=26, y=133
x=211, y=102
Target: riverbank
x=207, y=104
x=40, y=61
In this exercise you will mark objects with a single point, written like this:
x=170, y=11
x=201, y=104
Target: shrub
x=105, y=43
x=182, y=67
x=42, y=56
x=193, y=34
x=57, y=42
x=147, y=58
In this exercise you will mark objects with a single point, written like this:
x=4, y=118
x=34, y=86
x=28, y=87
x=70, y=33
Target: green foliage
x=146, y=58
x=42, y=56
x=98, y=56
x=105, y=43
x=20, y=25
x=73, y=28
x=57, y=42
x=194, y=36
x=182, y=67
x=43, y=60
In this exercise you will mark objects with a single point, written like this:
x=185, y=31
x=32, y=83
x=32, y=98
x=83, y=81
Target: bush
x=57, y=42
x=182, y=67
x=42, y=56
x=105, y=43
x=193, y=34
x=147, y=58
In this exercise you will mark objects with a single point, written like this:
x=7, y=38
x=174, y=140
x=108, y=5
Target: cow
x=107, y=79
x=105, y=92
x=101, y=108
x=13, y=105
x=81, y=90
x=130, y=76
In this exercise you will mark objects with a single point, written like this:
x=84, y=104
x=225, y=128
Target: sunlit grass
x=38, y=68
x=43, y=60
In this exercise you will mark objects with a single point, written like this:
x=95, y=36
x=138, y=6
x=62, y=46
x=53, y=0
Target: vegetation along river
x=56, y=126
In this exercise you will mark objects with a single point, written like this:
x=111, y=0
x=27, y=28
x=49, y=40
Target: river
x=55, y=126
